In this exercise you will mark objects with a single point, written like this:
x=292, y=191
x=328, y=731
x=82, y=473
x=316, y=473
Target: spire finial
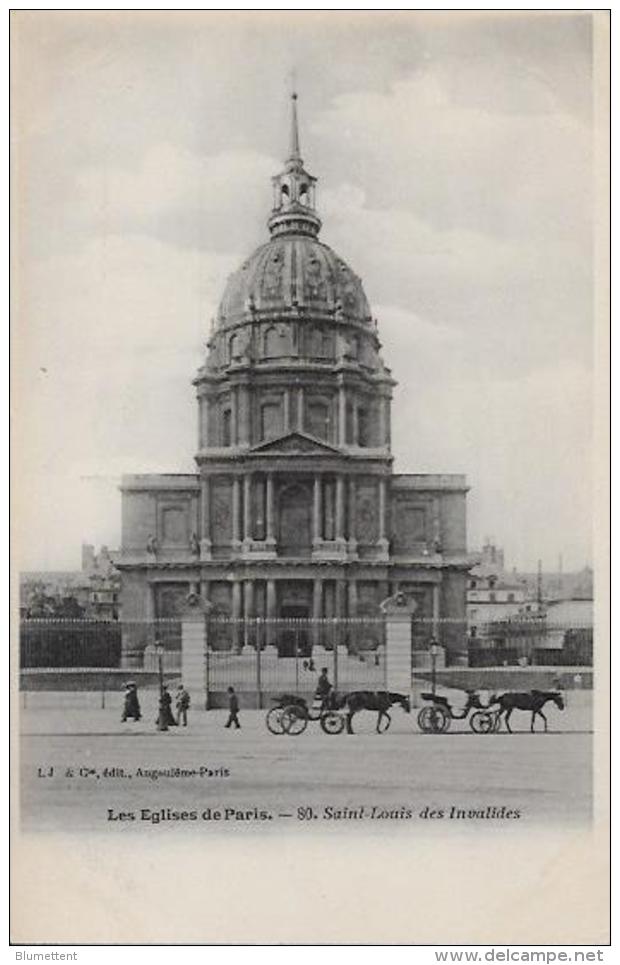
x=294, y=154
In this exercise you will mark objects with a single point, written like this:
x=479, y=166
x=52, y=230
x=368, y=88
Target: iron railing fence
x=352, y=649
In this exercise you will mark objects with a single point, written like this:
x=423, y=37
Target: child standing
x=233, y=708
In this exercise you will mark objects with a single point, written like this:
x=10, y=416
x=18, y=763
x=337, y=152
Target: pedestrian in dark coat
x=182, y=702
x=233, y=708
x=132, y=704
x=166, y=703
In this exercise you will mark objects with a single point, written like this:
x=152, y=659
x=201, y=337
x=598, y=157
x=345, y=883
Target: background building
x=91, y=592
x=519, y=618
x=294, y=511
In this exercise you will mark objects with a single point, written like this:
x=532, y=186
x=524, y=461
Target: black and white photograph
x=309, y=347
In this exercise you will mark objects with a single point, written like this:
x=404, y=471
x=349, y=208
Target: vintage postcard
x=309, y=365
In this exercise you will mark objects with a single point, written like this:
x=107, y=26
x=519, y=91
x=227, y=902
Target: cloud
x=111, y=338
x=520, y=442
x=454, y=163
x=179, y=196
x=459, y=161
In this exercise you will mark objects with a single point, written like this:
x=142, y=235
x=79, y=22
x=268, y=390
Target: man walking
x=182, y=702
x=233, y=708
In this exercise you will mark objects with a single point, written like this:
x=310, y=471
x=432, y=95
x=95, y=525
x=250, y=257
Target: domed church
x=294, y=510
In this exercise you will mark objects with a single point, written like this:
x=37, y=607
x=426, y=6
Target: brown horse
x=534, y=700
x=380, y=700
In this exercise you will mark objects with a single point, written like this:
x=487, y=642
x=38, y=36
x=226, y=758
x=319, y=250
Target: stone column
x=236, y=520
x=149, y=600
x=247, y=507
x=340, y=599
x=342, y=416
x=339, y=508
x=236, y=600
x=205, y=518
x=351, y=514
x=382, y=541
x=317, y=611
x=300, y=408
x=318, y=529
x=202, y=444
x=236, y=612
x=356, y=430
x=352, y=599
x=386, y=423
x=436, y=624
x=234, y=416
x=286, y=418
x=271, y=612
x=248, y=599
x=243, y=415
x=269, y=494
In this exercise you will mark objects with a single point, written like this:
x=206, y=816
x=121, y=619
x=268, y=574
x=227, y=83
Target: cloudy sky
x=454, y=155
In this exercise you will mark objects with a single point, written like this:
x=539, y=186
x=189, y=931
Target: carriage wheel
x=482, y=722
x=433, y=720
x=332, y=723
x=294, y=720
x=274, y=720
x=424, y=720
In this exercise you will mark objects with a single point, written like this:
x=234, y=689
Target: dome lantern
x=294, y=191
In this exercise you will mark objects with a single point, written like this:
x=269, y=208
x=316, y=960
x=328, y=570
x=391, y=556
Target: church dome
x=294, y=271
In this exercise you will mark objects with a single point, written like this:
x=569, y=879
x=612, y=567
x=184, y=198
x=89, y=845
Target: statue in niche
x=152, y=545
x=194, y=544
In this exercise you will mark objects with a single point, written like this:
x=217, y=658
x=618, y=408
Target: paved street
x=100, y=765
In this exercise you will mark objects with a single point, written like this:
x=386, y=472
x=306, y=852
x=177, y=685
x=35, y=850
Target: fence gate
x=264, y=658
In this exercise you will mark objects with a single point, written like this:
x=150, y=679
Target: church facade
x=294, y=510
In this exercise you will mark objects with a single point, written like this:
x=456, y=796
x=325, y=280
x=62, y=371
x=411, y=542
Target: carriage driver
x=323, y=688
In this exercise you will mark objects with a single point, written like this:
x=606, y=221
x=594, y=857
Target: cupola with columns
x=294, y=345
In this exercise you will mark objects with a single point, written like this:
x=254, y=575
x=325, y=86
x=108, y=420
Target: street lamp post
x=434, y=650
x=161, y=717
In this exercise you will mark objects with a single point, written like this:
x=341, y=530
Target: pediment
x=296, y=442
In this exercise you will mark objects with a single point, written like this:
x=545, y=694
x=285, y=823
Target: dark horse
x=534, y=700
x=380, y=700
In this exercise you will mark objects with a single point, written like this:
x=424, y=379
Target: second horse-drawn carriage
x=487, y=718
x=436, y=717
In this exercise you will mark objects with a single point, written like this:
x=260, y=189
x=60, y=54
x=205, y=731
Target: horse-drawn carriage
x=487, y=718
x=291, y=713
x=438, y=714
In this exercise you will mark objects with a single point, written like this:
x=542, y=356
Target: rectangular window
x=271, y=420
